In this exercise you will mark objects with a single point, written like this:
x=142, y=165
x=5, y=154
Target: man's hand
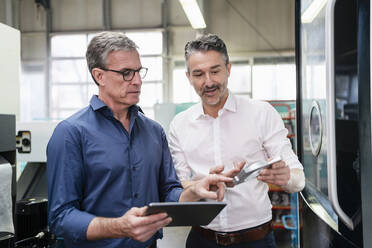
x=136, y=225
x=202, y=188
x=133, y=224
x=278, y=174
x=231, y=173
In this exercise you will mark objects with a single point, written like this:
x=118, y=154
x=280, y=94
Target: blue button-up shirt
x=96, y=168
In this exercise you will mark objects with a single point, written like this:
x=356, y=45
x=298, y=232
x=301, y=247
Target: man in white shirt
x=220, y=135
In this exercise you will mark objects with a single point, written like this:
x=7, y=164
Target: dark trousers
x=195, y=240
x=153, y=245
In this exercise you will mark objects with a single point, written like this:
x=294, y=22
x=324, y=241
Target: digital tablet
x=187, y=213
x=252, y=170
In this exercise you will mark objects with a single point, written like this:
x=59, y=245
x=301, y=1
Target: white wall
x=9, y=70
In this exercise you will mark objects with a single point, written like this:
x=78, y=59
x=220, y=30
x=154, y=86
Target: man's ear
x=228, y=69
x=98, y=76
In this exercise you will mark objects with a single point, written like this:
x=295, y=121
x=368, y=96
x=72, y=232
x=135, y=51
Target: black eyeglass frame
x=129, y=70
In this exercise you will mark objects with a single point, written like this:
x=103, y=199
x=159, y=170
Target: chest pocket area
x=105, y=154
x=146, y=153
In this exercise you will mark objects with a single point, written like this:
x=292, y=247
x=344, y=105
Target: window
x=240, y=78
x=182, y=89
x=70, y=81
x=274, y=79
x=71, y=85
x=32, y=91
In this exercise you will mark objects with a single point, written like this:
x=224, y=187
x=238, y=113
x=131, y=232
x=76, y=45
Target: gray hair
x=104, y=43
x=206, y=43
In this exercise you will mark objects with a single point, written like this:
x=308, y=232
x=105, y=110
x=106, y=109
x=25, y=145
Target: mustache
x=208, y=88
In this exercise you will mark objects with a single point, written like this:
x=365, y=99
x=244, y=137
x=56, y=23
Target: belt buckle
x=223, y=238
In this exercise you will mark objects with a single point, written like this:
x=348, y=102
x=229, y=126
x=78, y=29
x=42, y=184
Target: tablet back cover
x=188, y=213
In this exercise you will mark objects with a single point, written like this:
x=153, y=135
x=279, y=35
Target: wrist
x=101, y=228
x=190, y=193
x=194, y=192
x=115, y=227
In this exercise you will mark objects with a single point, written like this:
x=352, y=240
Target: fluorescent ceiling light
x=312, y=11
x=193, y=13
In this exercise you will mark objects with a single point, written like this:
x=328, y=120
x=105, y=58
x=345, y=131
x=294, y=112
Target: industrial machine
x=23, y=200
x=7, y=180
x=23, y=203
x=9, y=109
x=334, y=121
x=31, y=223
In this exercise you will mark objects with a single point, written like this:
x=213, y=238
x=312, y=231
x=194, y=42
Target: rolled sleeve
x=65, y=184
x=275, y=138
x=75, y=224
x=174, y=195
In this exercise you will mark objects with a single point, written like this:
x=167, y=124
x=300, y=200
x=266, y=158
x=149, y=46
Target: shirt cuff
x=76, y=224
x=175, y=195
x=296, y=182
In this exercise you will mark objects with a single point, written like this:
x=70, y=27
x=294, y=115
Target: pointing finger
x=214, y=179
x=221, y=191
x=216, y=170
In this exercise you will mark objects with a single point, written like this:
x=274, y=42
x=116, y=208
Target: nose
x=208, y=79
x=136, y=79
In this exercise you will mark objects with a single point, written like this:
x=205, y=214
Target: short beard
x=219, y=99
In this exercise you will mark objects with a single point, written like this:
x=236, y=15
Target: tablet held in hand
x=187, y=213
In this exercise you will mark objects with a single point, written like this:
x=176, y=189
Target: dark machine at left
x=23, y=203
x=7, y=180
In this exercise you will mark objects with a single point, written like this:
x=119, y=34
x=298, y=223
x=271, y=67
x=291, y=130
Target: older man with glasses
x=108, y=161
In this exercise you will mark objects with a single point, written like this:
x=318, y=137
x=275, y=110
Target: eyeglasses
x=128, y=74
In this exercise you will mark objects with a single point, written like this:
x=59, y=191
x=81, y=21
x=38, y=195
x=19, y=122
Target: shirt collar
x=230, y=105
x=97, y=104
x=199, y=112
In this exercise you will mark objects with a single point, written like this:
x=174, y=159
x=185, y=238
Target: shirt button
x=135, y=195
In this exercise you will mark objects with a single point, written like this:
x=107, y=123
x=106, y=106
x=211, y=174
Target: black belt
x=233, y=238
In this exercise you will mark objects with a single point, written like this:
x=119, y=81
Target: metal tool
x=252, y=170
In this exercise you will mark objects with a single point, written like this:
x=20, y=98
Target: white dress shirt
x=245, y=129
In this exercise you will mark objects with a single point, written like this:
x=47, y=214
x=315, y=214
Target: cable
x=40, y=235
